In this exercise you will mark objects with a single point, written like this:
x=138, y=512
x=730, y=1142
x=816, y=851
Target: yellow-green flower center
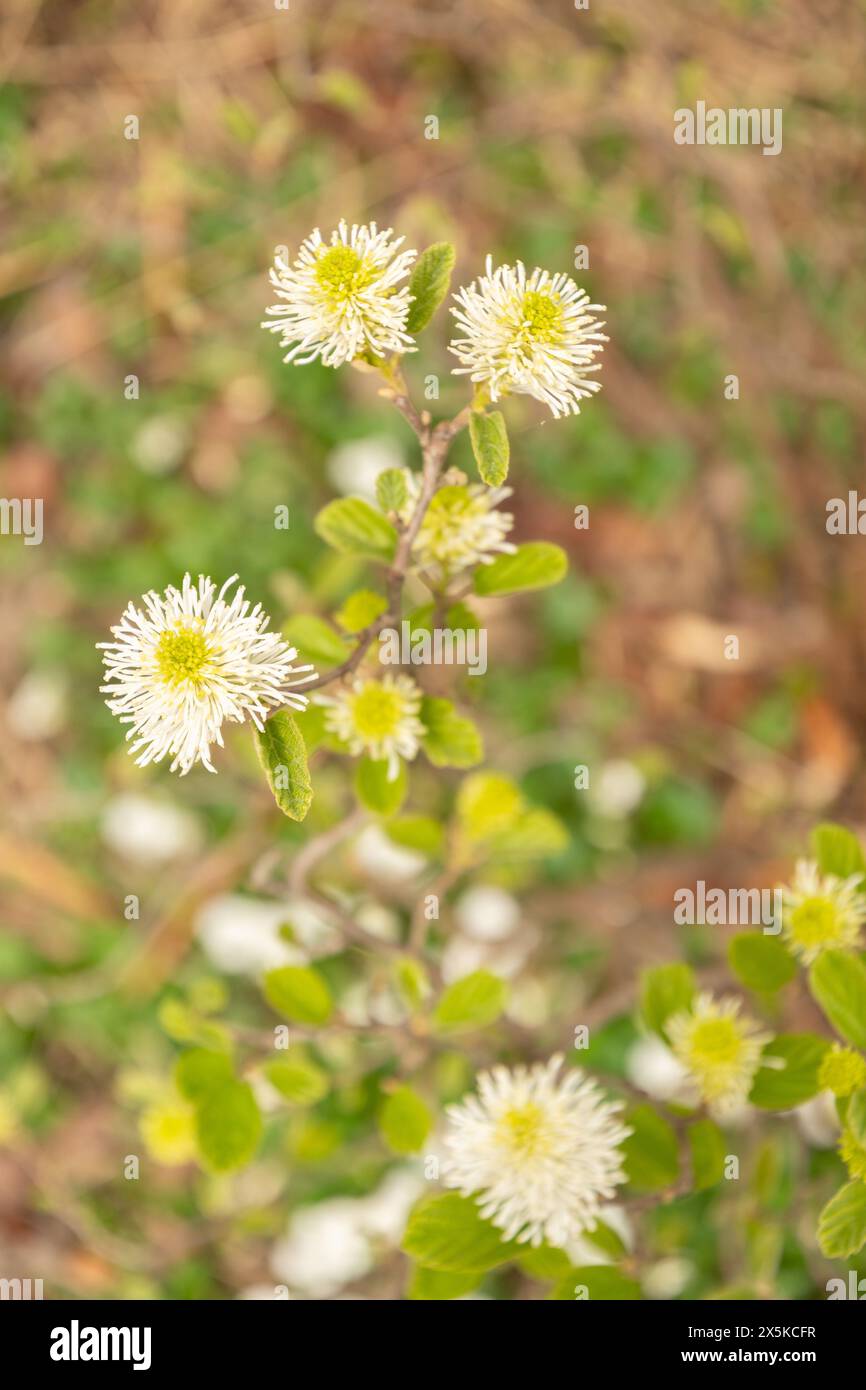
x=522, y=1130
x=814, y=922
x=715, y=1043
x=376, y=711
x=452, y=511
x=181, y=654
x=542, y=317
x=342, y=273
x=842, y=1071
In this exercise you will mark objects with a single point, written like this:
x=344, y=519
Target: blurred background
x=131, y=900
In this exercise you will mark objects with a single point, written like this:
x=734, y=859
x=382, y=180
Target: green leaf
x=404, y=1121
x=434, y=1285
x=534, y=565
x=185, y=1025
x=708, y=1150
x=837, y=851
x=536, y=834
x=651, y=1153
x=665, y=990
x=228, y=1126
x=761, y=962
x=391, y=490
x=838, y=982
x=490, y=446
x=608, y=1240
x=597, y=1281
x=417, y=832
x=299, y=994
x=283, y=755
x=297, y=1078
x=361, y=610
x=855, y=1116
x=353, y=527
x=473, y=1002
x=375, y=791
x=316, y=640
x=788, y=1073
x=428, y=284
x=412, y=981
x=450, y=740
x=311, y=724
x=488, y=804
x=199, y=1071
x=842, y=1223
x=546, y=1261
x=447, y=1233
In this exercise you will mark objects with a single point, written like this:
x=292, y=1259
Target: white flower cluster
x=521, y=333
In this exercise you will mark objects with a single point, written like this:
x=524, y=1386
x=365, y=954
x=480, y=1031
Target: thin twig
x=434, y=441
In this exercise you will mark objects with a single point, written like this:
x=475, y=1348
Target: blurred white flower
x=331, y=1243
x=38, y=706
x=148, y=829
x=818, y=1120
x=340, y=299
x=324, y=1249
x=667, y=1278
x=618, y=788
x=529, y=1002
x=311, y=928
x=462, y=956
x=377, y=855
x=353, y=467
x=821, y=912
x=378, y=919
x=160, y=444
x=240, y=935
x=486, y=912
x=652, y=1067
x=386, y=1210
x=538, y=1151
x=720, y=1048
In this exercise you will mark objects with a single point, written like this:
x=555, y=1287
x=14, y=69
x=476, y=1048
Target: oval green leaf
x=283, y=755
x=299, y=994
x=535, y=565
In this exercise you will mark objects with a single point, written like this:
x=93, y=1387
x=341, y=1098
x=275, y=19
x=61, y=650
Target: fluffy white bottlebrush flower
x=189, y=660
x=539, y=1152
x=532, y=335
x=343, y=297
x=377, y=717
x=720, y=1051
x=461, y=526
x=821, y=912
